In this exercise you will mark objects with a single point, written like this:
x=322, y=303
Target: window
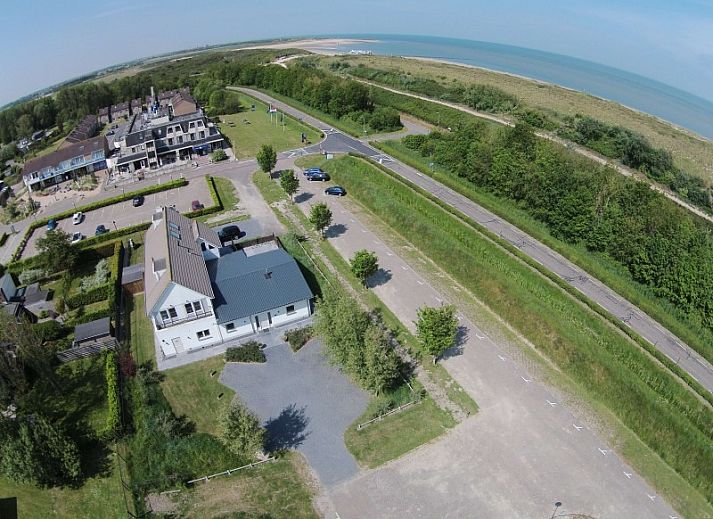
x=180, y=139
x=192, y=125
x=169, y=312
x=290, y=309
x=170, y=142
x=200, y=123
x=193, y=307
x=205, y=334
x=230, y=327
x=202, y=135
x=193, y=136
x=170, y=130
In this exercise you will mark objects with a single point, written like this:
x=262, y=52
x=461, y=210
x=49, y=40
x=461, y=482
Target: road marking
x=353, y=220
x=603, y=451
x=578, y=427
x=481, y=337
x=526, y=381
x=552, y=404
x=404, y=267
x=419, y=174
x=389, y=254
x=363, y=230
x=419, y=282
x=502, y=358
x=628, y=474
x=651, y=497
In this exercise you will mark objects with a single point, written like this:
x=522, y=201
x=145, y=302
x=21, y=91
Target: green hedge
x=93, y=295
x=299, y=337
x=251, y=351
x=112, y=235
x=90, y=316
x=3, y=238
x=217, y=202
x=112, y=428
x=180, y=182
x=50, y=330
x=114, y=289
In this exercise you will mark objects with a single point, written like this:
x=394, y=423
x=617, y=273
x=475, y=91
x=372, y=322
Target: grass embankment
x=248, y=130
x=396, y=434
x=612, y=371
x=690, y=153
x=81, y=407
x=599, y=266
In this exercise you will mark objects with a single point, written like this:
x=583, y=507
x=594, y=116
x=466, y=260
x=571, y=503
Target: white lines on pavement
x=404, y=267
x=419, y=282
x=628, y=474
x=438, y=299
x=672, y=517
x=552, y=404
x=603, y=451
x=389, y=254
x=480, y=337
x=363, y=230
x=578, y=427
x=651, y=497
x=502, y=358
x=419, y=174
x=352, y=220
x=376, y=242
x=526, y=380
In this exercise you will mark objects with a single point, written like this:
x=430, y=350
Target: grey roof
x=205, y=233
x=93, y=329
x=172, y=239
x=247, y=285
x=83, y=148
x=132, y=273
x=34, y=295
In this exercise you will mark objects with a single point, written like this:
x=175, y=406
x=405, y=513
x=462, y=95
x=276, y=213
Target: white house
x=199, y=293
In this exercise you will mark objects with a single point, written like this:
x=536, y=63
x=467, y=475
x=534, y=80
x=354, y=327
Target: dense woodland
x=616, y=142
x=660, y=244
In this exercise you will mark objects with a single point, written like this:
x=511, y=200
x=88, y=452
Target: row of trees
x=660, y=244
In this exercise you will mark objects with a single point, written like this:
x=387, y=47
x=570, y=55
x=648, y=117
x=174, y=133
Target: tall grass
x=611, y=369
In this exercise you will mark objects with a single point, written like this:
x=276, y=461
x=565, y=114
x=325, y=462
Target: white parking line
x=578, y=427
x=603, y=451
x=552, y=404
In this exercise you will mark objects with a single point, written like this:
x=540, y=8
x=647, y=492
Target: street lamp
x=115, y=227
x=557, y=505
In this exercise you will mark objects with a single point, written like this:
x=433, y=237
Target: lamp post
x=557, y=505
x=115, y=227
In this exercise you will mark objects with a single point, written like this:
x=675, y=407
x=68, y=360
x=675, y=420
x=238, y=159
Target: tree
x=382, y=364
x=320, y=217
x=289, y=183
x=436, y=328
x=34, y=450
x=364, y=264
x=59, y=254
x=240, y=431
x=266, y=158
x=219, y=155
x=24, y=126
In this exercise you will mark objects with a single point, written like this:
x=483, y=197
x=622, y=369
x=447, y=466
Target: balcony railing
x=167, y=323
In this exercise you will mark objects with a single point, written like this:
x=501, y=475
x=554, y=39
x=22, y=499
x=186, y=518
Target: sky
x=48, y=41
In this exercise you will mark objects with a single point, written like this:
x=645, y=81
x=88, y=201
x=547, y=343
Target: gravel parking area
x=305, y=403
x=125, y=214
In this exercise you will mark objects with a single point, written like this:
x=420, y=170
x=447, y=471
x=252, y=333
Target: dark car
x=335, y=190
x=52, y=225
x=318, y=177
x=310, y=171
x=138, y=201
x=100, y=230
x=196, y=205
x=229, y=232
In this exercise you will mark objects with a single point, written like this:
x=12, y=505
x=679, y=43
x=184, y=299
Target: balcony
x=167, y=323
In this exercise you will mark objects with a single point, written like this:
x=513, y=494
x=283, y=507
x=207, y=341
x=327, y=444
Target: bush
x=3, y=238
x=249, y=352
x=101, y=273
x=30, y=276
x=219, y=155
x=299, y=337
x=94, y=295
x=112, y=427
x=385, y=119
x=50, y=331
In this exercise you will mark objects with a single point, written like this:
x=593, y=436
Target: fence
x=86, y=350
x=389, y=413
x=205, y=479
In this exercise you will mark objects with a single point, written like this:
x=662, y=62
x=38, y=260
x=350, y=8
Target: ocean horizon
x=637, y=92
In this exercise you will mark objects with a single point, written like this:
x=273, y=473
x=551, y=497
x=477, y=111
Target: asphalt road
x=526, y=448
x=648, y=328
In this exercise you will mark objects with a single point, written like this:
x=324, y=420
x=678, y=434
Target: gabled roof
x=92, y=330
x=83, y=148
x=172, y=241
x=205, y=233
x=246, y=285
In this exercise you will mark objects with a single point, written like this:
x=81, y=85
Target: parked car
x=335, y=190
x=138, y=201
x=196, y=205
x=318, y=177
x=100, y=230
x=52, y=225
x=229, y=232
x=77, y=218
x=77, y=237
x=309, y=171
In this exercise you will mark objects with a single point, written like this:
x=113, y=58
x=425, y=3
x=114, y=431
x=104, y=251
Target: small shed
x=132, y=279
x=92, y=332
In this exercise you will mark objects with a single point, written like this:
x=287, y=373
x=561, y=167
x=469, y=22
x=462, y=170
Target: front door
x=269, y=318
x=178, y=345
x=257, y=322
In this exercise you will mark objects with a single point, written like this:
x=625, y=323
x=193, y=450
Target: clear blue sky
x=48, y=41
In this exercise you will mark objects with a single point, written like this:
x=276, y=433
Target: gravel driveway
x=305, y=403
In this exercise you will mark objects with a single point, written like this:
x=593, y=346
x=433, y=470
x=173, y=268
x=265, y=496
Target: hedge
x=299, y=337
x=89, y=317
x=113, y=418
x=3, y=238
x=217, y=202
x=251, y=351
x=111, y=235
x=114, y=288
x=96, y=205
x=50, y=330
x=94, y=295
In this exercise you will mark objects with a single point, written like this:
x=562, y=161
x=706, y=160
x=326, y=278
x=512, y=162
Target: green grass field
x=248, y=130
x=612, y=371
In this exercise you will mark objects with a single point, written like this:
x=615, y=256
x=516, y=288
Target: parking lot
x=305, y=403
x=124, y=214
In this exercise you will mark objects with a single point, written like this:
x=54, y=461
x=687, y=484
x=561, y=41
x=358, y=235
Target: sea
x=640, y=93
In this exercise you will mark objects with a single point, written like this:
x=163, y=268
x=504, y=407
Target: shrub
x=112, y=427
x=30, y=276
x=50, y=330
x=240, y=430
x=249, y=352
x=3, y=238
x=101, y=273
x=299, y=337
x=219, y=155
x=94, y=295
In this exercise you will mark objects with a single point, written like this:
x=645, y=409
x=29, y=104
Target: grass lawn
x=397, y=434
x=248, y=130
x=80, y=406
x=140, y=331
x=277, y=490
x=195, y=391
x=226, y=193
